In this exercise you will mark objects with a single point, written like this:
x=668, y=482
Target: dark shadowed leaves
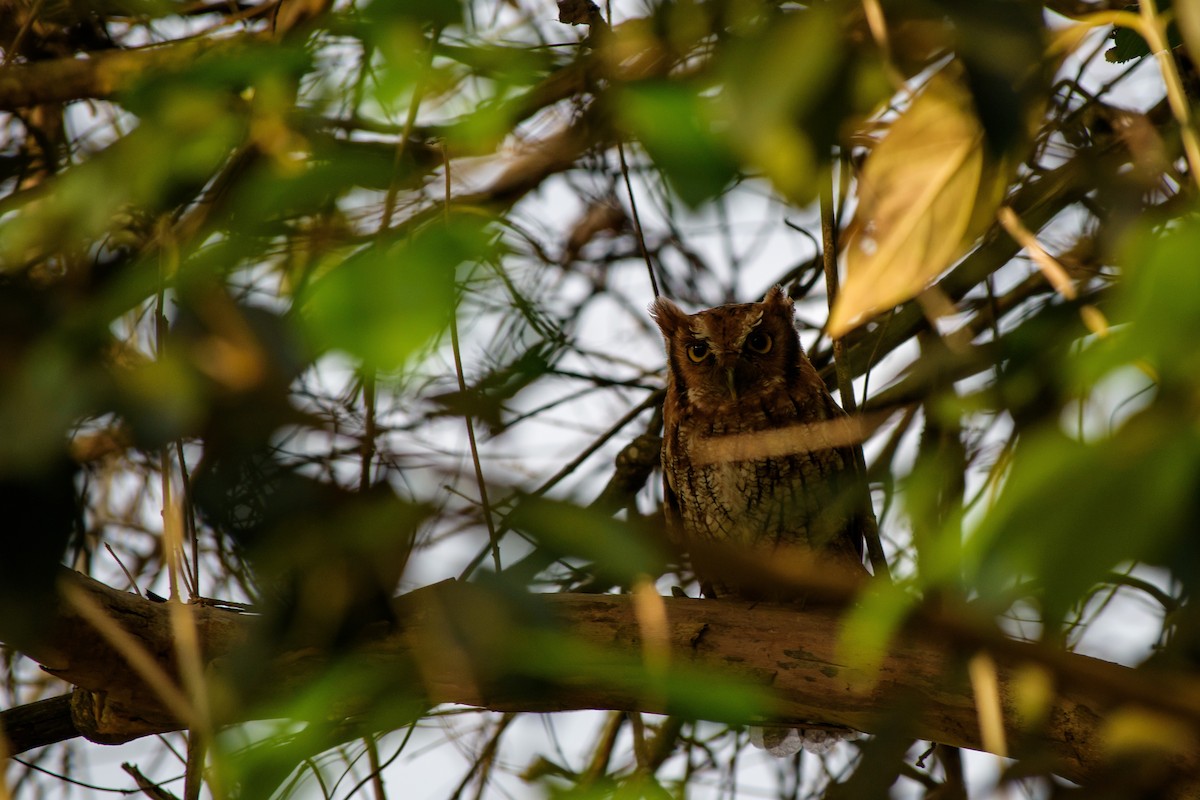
x=1071, y=509
x=1071, y=512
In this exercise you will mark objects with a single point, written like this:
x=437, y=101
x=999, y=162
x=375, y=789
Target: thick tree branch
x=99, y=76
x=444, y=638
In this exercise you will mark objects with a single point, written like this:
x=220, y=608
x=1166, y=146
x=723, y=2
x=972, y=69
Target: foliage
x=305, y=303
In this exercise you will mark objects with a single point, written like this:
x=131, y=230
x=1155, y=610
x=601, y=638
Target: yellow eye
x=697, y=352
x=759, y=342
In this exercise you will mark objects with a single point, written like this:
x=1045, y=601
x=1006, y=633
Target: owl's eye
x=697, y=352
x=759, y=342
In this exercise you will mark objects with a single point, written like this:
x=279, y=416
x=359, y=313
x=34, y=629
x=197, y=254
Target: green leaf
x=686, y=690
x=1160, y=301
x=786, y=91
x=1128, y=44
x=439, y=13
x=676, y=125
x=386, y=301
x=617, y=551
x=1071, y=512
x=348, y=699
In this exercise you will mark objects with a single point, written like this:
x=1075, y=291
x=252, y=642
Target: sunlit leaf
x=917, y=201
x=1140, y=732
x=1187, y=17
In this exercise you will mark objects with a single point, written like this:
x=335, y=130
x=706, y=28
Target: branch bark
x=97, y=77
x=793, y=651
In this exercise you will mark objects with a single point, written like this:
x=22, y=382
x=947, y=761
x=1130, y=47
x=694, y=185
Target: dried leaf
x=917, y=203
x=1187, y=17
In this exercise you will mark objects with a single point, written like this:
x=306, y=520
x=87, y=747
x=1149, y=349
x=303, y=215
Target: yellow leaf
x=1137, y=730
x=1032, y=689
x=917, y=203
x=1187, y=17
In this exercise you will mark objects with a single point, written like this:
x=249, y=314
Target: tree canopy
x=330, y=405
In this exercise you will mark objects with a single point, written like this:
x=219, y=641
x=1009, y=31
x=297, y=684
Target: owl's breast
x=768, y=500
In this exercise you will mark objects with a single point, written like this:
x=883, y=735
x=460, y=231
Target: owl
x=756, y=458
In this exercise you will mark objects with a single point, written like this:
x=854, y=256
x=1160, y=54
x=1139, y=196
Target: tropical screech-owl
x=756, y=456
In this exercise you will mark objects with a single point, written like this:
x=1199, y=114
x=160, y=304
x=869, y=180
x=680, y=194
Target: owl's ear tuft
x=776, y=296
x=669, y=316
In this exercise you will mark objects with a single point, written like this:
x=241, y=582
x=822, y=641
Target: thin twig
x=128, y=575
x=376, y=768
x=637, y=219
x=829, y=247
x=483, y=763
x=485, y=506
x=367, y=450
x=570, y=467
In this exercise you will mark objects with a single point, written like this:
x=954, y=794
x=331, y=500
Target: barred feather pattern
x=734, y=371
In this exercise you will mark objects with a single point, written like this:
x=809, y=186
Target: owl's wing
x=862, y=520
x=851, y=486
x=671, y=508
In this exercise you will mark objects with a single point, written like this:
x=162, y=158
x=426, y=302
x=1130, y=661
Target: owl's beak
x=730, y=383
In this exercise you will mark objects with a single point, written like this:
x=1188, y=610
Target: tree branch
x=99, y=76
x=796, y=652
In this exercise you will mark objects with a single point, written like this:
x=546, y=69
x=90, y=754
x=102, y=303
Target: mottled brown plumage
x=754, y=451
x=756, y=463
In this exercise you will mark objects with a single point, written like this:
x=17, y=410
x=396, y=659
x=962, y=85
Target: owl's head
x=731, y=354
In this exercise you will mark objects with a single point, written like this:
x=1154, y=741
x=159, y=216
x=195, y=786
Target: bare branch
x=797, y=652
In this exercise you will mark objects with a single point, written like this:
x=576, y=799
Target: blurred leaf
x=438, y=13
x=617, y=551
x=190, y=122
x=870, y=625
x=1032, y=690
x=1160, y=301
x=41, y=516
x=277, y=190
x=161, y=399
x=386, y=301
x=1001, y=46
x=785, y=97
x=918, y=199
x=1063, y=518
x=1144, y=733
x=1187, y=17
x=42, y=398
x=676, y=126
x=686, y=690
x=345, y=700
